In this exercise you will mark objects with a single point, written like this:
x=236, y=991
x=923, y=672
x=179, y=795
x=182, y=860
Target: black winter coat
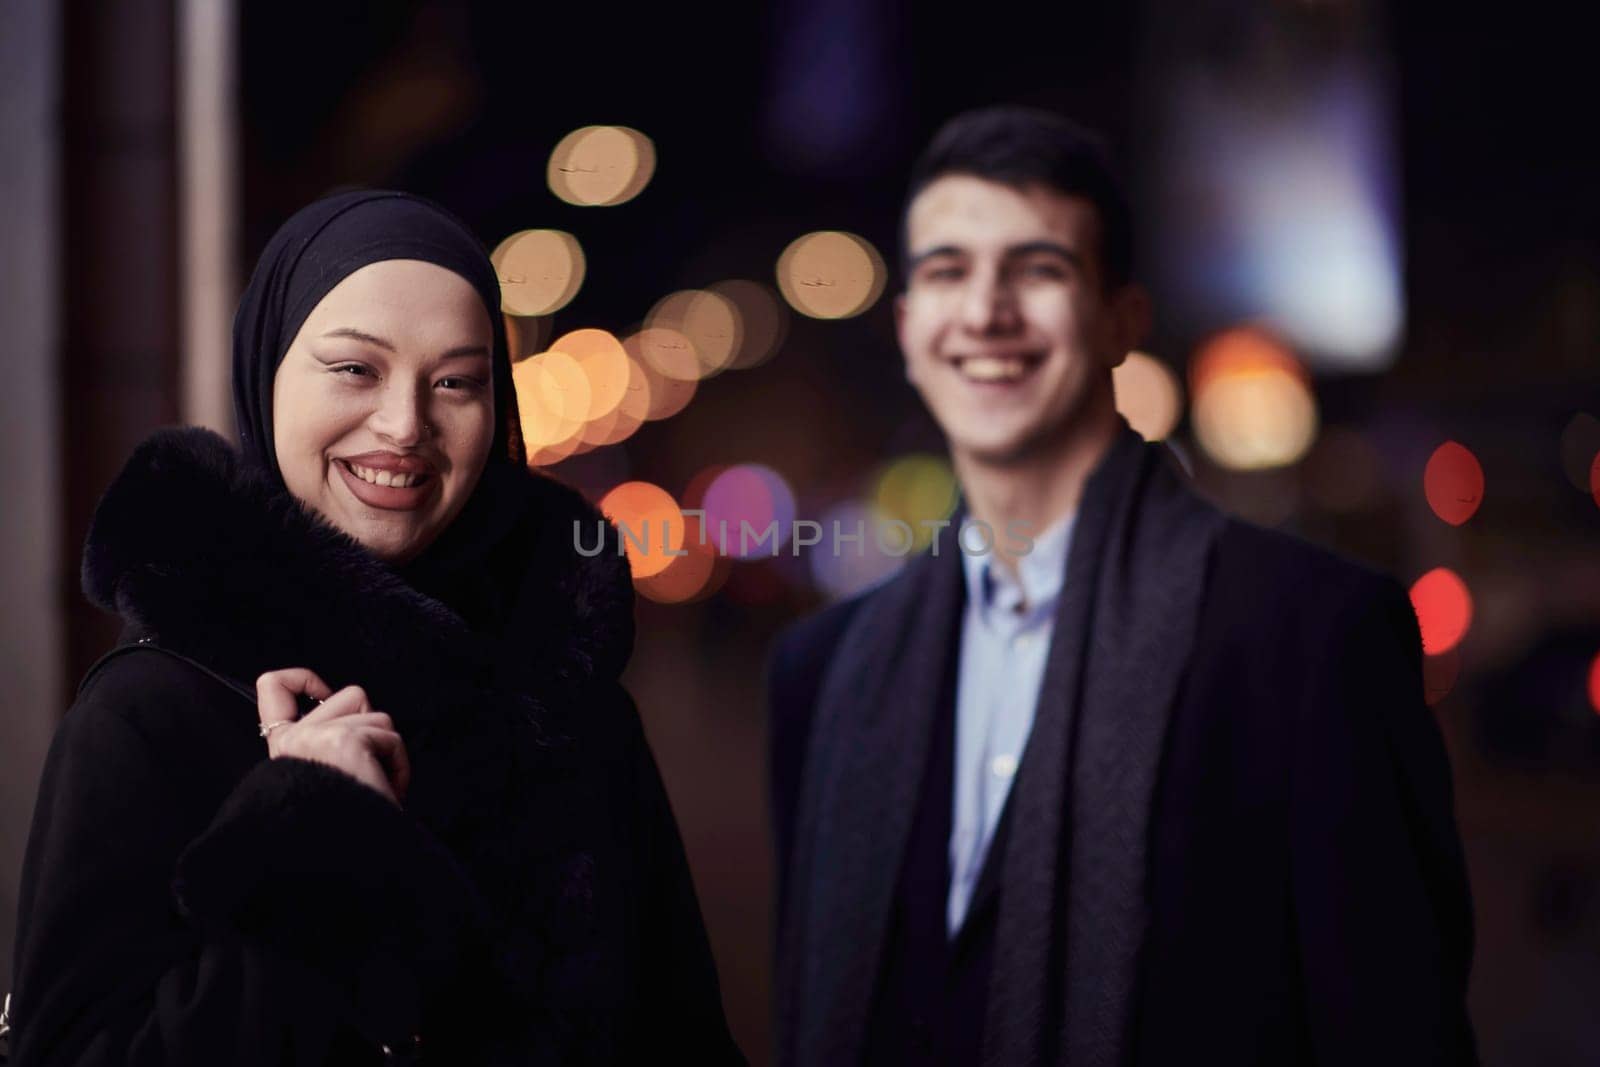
x=1286, y=883
x=186, y=900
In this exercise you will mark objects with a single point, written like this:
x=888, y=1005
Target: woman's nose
x=402, y=415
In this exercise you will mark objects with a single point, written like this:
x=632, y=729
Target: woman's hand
x=343, y=731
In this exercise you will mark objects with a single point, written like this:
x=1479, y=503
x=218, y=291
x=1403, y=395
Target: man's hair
x=1022, y=146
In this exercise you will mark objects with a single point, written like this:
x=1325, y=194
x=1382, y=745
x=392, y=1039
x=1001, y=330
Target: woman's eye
x=1043, y=270
x=353, y=370
x=459, y=384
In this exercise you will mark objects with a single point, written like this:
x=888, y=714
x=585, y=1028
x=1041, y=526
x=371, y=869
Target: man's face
x=1007, y=330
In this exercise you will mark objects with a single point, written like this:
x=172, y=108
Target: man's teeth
x=390, y=478
x=993, y=368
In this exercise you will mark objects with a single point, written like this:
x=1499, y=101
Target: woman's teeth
x=393, y=479
x=993, y=368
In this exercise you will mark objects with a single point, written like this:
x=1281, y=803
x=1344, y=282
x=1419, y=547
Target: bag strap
x=148, y=642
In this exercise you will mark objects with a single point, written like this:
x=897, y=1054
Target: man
x=1163, y=789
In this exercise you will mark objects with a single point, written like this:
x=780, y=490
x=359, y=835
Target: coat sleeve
x=1381, y=903
x=300, y=925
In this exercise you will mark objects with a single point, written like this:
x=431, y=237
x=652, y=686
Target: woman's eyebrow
x=357, y=335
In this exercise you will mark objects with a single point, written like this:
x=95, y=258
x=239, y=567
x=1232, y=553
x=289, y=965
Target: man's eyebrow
x=1028, y=248
x=357, y=335
x=940, y=250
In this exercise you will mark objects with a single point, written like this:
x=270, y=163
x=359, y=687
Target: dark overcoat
x=1230, y=838
x=186, y=900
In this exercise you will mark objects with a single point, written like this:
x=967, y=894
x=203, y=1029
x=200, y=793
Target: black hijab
x=317, y=248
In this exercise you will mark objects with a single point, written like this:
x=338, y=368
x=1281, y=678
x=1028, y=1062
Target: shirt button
x=1003, y=766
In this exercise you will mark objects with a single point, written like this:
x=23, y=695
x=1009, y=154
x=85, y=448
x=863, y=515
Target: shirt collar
x=1040, y=572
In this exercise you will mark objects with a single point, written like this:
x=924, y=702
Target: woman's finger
x=351, y=700
x=276, y=690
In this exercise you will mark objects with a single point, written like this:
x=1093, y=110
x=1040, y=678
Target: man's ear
x=1131, y=311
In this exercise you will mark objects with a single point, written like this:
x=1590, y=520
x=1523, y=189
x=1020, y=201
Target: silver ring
x=268, y=727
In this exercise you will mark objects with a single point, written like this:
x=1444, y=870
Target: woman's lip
x=386, y=497
x=388, y=461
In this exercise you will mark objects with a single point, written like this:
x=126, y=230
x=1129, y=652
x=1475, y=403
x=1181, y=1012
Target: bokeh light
x=831, y=274
x=1444, y=609
x=748, y=494
x=667, y=351
x=1594, y=684
x=916, y=489
x=708, y=321
x=1147, y=395
x=1580, y=448
x=1453, y=483
x=1252, y=402
x=846, y=568
x=629, y=414
x=763, y=319
x=552, y=402
x=644, y=513
x=689, y=577
x=540, y=271
x=601, y=166
x=604, y=364
x=666, y=394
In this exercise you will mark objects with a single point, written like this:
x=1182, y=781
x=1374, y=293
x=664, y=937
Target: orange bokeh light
x=643, y=512
x=687, y=577
x=1453, y=483
x=1444, y=609
x=604, y=364
x=1252, y=406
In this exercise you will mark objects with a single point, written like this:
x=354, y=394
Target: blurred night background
x=1371, y=232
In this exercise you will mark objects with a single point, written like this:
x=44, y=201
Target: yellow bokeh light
x=1147, y=395
x=601, y=166
x=1252, y=403
x=540, y=271
x=831, y=274
x=763, y=320
x=707, y=320
x=604, y=364
x=650, y=524
x=916, y=489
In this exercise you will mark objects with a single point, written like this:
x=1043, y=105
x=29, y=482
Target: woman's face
x=383, y=406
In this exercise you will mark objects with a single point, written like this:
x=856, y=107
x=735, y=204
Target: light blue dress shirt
x=1005, y=638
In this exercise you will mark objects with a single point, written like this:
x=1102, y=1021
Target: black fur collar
x=205, y=554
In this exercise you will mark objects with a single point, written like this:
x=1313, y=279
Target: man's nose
x=988, y=306
x=402, y=415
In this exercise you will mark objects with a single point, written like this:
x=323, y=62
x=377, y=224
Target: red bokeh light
x=1444, y=609
x=1594, y=684
x=1453, y=483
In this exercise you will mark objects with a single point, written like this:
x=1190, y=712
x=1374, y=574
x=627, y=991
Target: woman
x=360, y=783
